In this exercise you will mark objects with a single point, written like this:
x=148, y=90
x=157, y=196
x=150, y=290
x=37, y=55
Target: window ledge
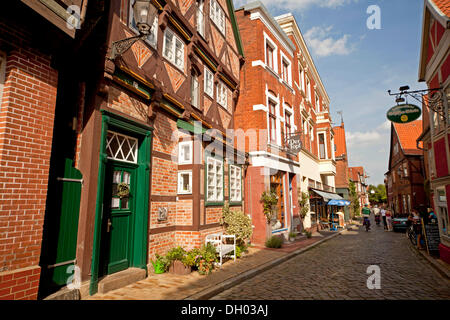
x=274, y=73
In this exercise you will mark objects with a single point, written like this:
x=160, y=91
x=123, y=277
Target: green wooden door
x=65, y=233
x=118, y=217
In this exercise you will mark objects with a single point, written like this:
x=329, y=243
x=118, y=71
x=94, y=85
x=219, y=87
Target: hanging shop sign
x=404, y=113
x=294, y=144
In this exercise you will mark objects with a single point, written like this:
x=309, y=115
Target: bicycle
x=411, y=235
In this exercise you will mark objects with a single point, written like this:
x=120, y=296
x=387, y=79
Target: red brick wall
x=26, y=130
x=21, y=285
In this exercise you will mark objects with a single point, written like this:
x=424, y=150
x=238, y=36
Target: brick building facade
x=282, y=97
x=342, y=174
x=434, y=69
x=405, y=178
x=358, y=176
x=31, y=67
x=77, y=124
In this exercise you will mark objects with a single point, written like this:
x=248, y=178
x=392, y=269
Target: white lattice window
x=214, y=181
x=222, y=94
x=185, y=152
x=185, y=182
x=121, y=147
x=217, y=16
x=201, y=17
x=209, y=82
x=173, y=49
x=235, y=184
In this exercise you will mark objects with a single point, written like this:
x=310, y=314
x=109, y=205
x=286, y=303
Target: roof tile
x=407, y=134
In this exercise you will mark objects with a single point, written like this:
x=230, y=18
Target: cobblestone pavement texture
x=168, y=286
x=337, y=270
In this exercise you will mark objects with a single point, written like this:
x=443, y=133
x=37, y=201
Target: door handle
x=108, y=226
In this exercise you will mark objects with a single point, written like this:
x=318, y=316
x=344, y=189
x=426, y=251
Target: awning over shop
x=328, y=195
x=340, y=203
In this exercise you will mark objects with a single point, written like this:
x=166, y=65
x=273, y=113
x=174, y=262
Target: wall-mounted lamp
x=144, y=14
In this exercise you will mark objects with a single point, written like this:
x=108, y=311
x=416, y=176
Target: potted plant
x=179, y=263
x=270, y=201
x=205, y=258
x=160, y=264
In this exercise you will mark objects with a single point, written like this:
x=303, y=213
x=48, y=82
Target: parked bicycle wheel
x=412, y=235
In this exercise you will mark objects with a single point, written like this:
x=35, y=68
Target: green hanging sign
x=404, y=113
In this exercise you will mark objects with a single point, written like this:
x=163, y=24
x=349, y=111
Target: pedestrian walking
x=383, y=215
x=366, y=215
x=431, y=216
x=376, y=212
x=389, y=219
x=417, y=227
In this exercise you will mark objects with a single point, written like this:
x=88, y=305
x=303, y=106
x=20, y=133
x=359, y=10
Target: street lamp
x=144, y=14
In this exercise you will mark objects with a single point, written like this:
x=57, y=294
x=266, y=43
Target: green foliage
x=177, y=253
x=161, y=262
x=205, y=259
x=379, y=195
x=269, y=199
x=303, y=203
x=292, y=234
x=237, y=223
x=354, y=199
x=240, y=249
x=308, y=234
x=274, y=242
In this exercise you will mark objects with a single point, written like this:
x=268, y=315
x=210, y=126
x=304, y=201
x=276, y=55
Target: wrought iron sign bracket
x=121, y=46
x=433, y=101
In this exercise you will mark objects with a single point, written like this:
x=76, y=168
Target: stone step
x=120, y=279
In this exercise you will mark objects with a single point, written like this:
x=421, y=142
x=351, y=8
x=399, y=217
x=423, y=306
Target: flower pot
x=177, y=267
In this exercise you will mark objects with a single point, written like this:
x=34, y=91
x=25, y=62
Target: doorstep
x=120, y=279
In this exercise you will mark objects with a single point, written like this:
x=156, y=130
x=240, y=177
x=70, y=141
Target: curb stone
x=227, y=284
x=436, y=265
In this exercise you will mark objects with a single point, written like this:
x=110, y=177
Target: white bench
x=219, y=241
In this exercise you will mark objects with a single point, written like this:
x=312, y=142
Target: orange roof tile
x=407, y=134
x=354, y=172
x=339, y=140
x=443, y=5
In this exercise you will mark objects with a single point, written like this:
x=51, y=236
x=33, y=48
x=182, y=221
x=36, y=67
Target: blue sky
x=358, y=65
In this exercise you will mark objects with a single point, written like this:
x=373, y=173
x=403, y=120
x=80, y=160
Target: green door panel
x=70, y=185
x=118, y=216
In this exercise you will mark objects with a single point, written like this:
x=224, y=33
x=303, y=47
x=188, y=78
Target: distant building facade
x=358, y=176
x=342, y=173
x=405, y=177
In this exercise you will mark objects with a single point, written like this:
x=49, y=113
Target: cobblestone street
x=337, y=270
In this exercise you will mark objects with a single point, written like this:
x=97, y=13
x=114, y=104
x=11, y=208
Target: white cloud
x=371, y=137
x=323, y=44
x=298, y=4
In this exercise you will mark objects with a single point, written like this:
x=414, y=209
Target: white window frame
x=285, y=59
x=201, y=17
x=128, y=140
x=152, y=38
x=218, y=16
x=2, y=73
x=181, y=154
x=325, y=143
x=308, y=89
x=268, y=40
x=222, y=94
x=216, y=198
x=301, y=75
x=208, y=77
x=180, y=182
x=195, y=90
x=238, y=179
x=176, y=40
